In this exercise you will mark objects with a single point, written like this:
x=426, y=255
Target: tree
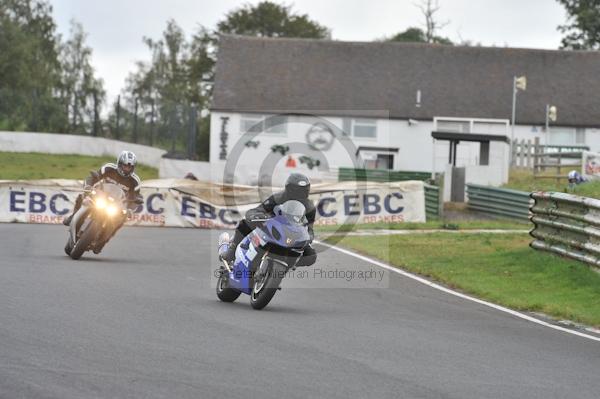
x=29, y=67
x=416, y=35
x=267, y=19
x=177, y=77
x=582, y=31
x=432, y=26
x=167, y=87
x=81, y=92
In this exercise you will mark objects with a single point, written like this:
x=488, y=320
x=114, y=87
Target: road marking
x=455, y=293
x=412, y=232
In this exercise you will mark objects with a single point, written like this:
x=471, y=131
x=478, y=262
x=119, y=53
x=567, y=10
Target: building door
x=378, y=160
x=457, y=192
x=385, y=161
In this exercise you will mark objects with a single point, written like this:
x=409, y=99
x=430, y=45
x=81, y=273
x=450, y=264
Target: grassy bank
x=432, y=225
x=523, y=180
x=32, y=166
x=499, y=268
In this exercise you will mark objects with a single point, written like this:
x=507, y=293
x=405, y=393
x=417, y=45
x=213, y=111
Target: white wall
x=53, y=143
x=413, y=141
x=416, y=151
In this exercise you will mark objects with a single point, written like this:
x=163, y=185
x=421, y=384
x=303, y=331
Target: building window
x=276, y=124
x=567, y=136
x=360, y=128
x=454, y=126
x=255, y=123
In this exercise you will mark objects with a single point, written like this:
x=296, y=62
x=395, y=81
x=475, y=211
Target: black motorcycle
x=103, y=211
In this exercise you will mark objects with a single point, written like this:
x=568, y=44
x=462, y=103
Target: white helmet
x=573, y=175
x=126, y=163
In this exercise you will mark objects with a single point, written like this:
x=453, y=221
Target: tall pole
x=135, y=121
x=172, y=128
x=96, y=115
x=118, y=117
x=547, y=117
x=192, y=132
x=152, y=124
x=512, y=123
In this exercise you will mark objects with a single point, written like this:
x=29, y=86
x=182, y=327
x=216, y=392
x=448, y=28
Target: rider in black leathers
x=297, y=187
x=122, y=174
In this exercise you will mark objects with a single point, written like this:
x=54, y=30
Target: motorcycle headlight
x=112, y=210
x=100, y=203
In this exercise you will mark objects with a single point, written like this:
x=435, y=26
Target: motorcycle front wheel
x=265, y=287
x=224, y=293
x=84, y=241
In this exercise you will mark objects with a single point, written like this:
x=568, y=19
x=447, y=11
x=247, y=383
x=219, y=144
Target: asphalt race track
x=142, y=320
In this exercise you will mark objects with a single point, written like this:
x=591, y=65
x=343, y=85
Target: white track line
x=458, y=294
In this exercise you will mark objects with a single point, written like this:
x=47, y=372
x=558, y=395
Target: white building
x=331, y=101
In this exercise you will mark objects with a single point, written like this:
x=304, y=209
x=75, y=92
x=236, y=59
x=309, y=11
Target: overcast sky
x=115, y=27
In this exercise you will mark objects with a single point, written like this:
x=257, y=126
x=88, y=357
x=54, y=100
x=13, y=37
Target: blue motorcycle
x=264, y=256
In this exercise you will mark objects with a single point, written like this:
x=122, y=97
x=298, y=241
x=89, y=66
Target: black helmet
x=297, y=187
x=126, y=163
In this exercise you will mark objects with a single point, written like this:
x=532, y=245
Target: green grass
x=33, y=166
x=523, y=180
x=432, y=225
x=496, y=267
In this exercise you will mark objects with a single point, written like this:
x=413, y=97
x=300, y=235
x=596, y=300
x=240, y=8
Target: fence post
x=529, y=147
x=558, y=166
x=536, y=155
x=513, y=152
x=521, y=153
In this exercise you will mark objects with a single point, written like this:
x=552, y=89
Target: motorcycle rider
x=121, y=174
x=297, y=187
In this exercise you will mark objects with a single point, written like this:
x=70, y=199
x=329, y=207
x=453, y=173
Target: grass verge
x=523, y=180
x=500, y=268
x=33, y=166
x=431, y=225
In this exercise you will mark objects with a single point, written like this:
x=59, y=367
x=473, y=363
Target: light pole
x=519, y=83
x=551, y=113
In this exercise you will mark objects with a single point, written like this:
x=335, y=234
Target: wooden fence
x=543, y=160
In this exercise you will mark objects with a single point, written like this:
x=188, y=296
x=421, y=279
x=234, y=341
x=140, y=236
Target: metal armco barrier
x=499, y=202
x=567, y=225
x=380, y=175
x=433, y=204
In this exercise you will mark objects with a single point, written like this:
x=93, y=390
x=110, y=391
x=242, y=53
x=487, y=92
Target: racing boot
x=67, y=220
x=78, y=202
x=229, y=255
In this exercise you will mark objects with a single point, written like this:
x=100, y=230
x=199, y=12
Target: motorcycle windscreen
x=293, y=211
x=289, y=226
x=114, y=191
